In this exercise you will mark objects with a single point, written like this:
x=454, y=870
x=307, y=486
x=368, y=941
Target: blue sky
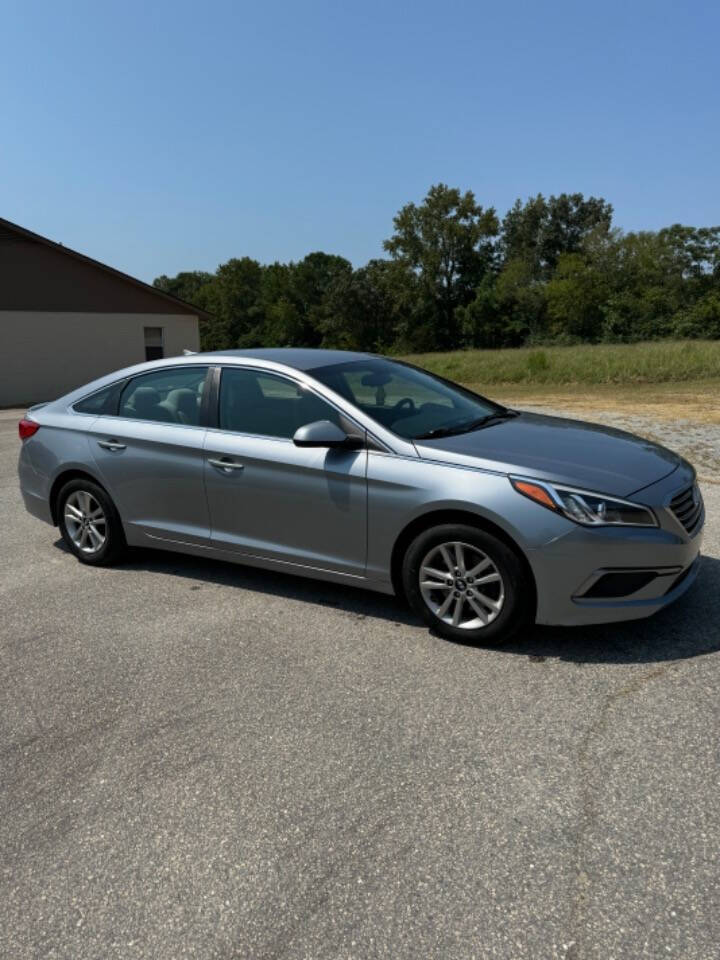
x=166, y=136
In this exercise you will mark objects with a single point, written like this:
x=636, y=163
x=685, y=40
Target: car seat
x=145, y=403
x=182, y=404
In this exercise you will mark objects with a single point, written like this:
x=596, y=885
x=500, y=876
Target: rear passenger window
x=102, y=402
x=268, y=406
x=166, y=396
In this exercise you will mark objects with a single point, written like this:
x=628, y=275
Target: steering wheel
x=407, y=403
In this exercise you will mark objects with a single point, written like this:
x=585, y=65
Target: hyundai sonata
x=367, y=471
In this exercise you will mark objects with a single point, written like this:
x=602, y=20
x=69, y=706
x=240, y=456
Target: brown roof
x=40, y=282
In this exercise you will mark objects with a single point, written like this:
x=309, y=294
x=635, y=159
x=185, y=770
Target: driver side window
x=266, y=405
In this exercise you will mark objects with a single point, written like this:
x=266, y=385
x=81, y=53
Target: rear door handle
x=111, y=445
x=227, y=466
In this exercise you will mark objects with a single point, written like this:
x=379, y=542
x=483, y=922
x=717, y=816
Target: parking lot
x=204, y=760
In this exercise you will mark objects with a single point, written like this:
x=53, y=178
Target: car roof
x=298, y=357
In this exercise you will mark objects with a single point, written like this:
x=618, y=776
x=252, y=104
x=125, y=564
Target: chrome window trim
x=284, y=375
x=161, y=423
x=126, y=379
x=384, y=437
x=389, y=441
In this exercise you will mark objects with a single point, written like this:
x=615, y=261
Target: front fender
x=401, y=491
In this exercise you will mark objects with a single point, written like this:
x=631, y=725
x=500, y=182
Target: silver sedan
x=367, y=471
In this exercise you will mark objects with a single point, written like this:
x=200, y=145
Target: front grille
x=688, y=507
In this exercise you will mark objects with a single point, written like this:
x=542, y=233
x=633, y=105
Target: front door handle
x=111, y=445
x=227, y=466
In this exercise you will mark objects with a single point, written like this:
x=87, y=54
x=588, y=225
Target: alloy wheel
x=461, y=585
x=85, y=521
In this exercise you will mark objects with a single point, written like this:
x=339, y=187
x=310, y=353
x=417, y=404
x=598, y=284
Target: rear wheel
x=467, y=584
x=89, y=523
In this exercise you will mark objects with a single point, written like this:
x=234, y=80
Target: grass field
x=625, y=364
x=678, y=380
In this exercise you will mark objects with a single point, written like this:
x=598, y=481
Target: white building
x=66, y=319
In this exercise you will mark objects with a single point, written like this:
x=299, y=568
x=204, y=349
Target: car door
x=271, y=499
x=150, y=455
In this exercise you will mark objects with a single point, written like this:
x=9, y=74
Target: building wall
x=44, y=355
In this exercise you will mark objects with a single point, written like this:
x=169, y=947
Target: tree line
x=553, y=270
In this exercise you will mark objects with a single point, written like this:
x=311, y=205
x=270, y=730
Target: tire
x=493, y=596
x=99, y=542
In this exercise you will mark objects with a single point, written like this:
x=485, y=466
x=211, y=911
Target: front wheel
x=89, y=523
x=466, y=584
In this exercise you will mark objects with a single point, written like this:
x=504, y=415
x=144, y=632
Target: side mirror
x=323, y=433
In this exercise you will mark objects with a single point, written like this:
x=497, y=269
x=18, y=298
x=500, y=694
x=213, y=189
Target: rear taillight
x=26, y=428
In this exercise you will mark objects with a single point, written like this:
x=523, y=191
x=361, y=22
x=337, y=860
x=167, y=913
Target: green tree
x=282, y=318
x=521, y=234
x=522, y=302
x=195, y=287
x=235, y=301
x=648, y=287
x=312, y=280
x=540, y=231
x=557, y=271
x=580, y=287
x=364, y=309
x=447, y=242
x=701, y=320
x=189, y=285
x=481, y=322
x=576, y=297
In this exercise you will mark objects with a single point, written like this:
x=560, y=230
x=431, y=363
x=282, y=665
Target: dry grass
x=698, y=401
x=626, y=364
x=675, y=380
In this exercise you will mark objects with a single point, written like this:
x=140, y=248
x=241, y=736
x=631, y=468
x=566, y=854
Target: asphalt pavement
x=204, y=760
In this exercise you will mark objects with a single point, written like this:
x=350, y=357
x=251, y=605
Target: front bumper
x=569, y=569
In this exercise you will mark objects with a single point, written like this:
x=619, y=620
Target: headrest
x=144, y=399
x=184, y=400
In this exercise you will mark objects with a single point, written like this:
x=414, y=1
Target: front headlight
x=582, y=506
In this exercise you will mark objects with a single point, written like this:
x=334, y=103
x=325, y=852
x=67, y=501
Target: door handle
x=111, y=445
x=227, y=466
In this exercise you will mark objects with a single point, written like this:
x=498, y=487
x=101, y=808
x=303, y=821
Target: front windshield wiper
x=468, y=426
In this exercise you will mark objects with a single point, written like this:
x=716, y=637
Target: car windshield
x=410, y=402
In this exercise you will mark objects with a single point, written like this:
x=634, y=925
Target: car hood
x=580, y=454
